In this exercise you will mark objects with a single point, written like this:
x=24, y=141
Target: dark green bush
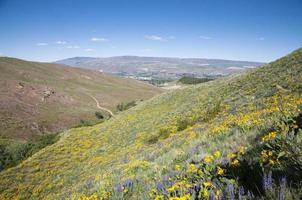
x=182, y=124
x=123, y=106
x=99, y=115
x=193, y=80
x=12, y=153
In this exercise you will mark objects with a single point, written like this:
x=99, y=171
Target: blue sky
x=48, y=30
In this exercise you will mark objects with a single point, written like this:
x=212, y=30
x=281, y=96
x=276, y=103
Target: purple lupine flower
x=264, y=181
x=267, y=181
x=197, y=187
x=230, y=190
x=221, y=197
x=282, y=188
x=119, y=188
x=270, y=179
x=240, y=193
x=212, y=196
x=161, y=188
x=128, y=184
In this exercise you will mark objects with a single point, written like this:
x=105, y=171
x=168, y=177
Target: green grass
x=144, y=143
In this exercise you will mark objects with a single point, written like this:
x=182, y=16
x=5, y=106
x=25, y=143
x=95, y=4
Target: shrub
x=182, y=124
x=193, y=80
x=13, y=153
x=122, y=106
x=99, y=115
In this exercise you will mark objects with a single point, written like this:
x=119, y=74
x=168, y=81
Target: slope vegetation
x=173, y=144
x=37, y=98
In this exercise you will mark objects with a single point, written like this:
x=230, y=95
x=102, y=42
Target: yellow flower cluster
x=185, y=197
x=217, y=154
x=205, y=194
x=268, y=156
x=207, y=184
x=235, y=163
x=211, y=158
x=177, y=168
x=159, y=197
x=220, y=171
x=242, y=150
x=179, y=185
x=137, y=164
x=94, y=196
x=269, y=136
x=208, y=159
x=231, y=156
x=191, y=169
x=265, y=154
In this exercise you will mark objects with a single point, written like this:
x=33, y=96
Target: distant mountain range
x=160, y=67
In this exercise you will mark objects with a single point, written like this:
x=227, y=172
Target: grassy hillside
x=37, y=98
x=195, y=142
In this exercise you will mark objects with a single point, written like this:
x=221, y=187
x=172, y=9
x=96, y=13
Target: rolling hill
x=38, y=98
x=160, y=67
x=220, y=138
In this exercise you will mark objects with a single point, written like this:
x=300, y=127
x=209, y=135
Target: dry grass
x=38, y=98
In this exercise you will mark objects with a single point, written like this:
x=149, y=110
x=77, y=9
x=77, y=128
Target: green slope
x=144, y=144
x=38, y=98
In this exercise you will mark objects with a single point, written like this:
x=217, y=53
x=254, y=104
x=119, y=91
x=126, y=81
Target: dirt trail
x=100, y=107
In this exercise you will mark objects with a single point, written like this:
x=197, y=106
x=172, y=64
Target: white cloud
x=61, y=42
x=171, y=37
x=73, y=47
x=89, y=50
x=205, y=37
x=155, y=38
x=41, y=44
x=95, y=39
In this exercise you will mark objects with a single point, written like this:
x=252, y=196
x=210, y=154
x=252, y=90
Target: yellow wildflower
x=191, y=168
x=271, y=162
x=207, y=184
x=159, y=197
x=94, y=196
x=205, y=194
x=269, y=153
x=264, y=154
x=171, y=189
x=185, y=197
x=269, y=136
x=235, y=162
x=177, y=168
x=220, y=171
x=231, y=155
x=218, y=194
x=208, y=159
x=217, y=154
x=242, y=150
